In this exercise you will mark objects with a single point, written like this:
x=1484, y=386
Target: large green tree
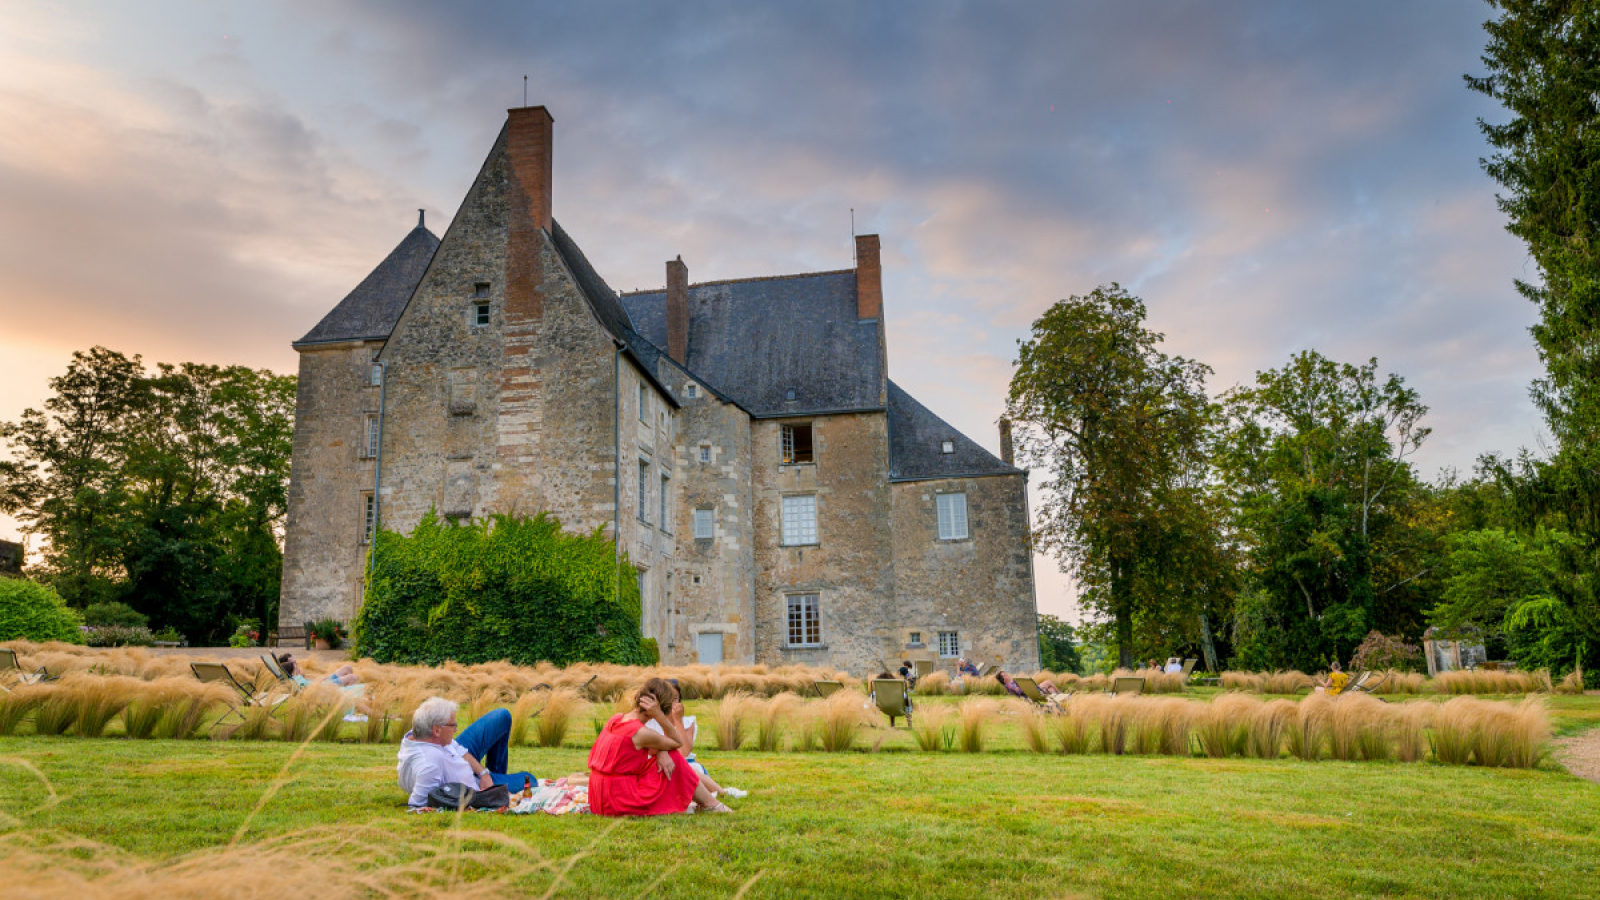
x=1121, y=428
x=1315, y=456
x=165, y=490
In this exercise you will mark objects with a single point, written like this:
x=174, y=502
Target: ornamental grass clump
x=1505, y=736
x=976, y=715
x=1411, y=722
x=1453, y=729
x=1393, y=683
x=56, y=713
x=934, y=728
x=1292, y=681
x=99, y=699
x=1306, y=736
x=15, y=706
x=933, y=684
x=1572, y=684
x=772, y=718
x=729, y=718
x=1486, y=681
x=564, y=705
x=1172, y=720
x=1072, y=728
x=1270, y=724
x=1243, y=681
x=1358, y=728
x=1223, y=726
x=839, y=721
x=1033, y=722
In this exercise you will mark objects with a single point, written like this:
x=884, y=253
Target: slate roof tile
x=369, y=312
x=916, y=437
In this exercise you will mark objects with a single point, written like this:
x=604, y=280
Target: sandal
x=719, y=808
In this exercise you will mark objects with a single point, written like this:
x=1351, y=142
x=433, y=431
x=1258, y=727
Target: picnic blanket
x=554, y=798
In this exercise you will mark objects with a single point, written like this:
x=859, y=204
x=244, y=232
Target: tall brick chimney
x=677, y=310
x=869, y=278
x=528, y=145
x=1006, y=453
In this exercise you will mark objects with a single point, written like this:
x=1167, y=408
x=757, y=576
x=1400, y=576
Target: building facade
x=782, y=499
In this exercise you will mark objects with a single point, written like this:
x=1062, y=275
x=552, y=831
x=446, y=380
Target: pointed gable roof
x=370, y=312
x=916, y=437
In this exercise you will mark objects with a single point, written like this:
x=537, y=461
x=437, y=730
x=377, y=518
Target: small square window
x=949, y=644
x=705, y=453
x=692, y=391
x=705, y=525
x=916, y=638
x=481, y=289
x=947, y=447
x=480, y=313
x=788, y=395
x=797, y=444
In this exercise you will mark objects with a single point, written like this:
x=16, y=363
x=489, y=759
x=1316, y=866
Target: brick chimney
x=1005, y=443
x=677, y=310
x=528, y=144
x=869, y=278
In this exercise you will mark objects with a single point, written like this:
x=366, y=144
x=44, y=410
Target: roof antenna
x=422, y=219
x=524, y=92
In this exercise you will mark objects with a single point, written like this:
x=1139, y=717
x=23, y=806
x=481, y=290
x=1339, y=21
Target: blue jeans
x=489, y=742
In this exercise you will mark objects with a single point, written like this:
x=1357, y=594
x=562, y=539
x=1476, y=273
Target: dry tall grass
x=976, y=716
x=934, y=727
x=772, y=717
x=561, y=707
x=1269, y=724
x=1572, y=684
x=729, y=718
x=1223, y=727
x=837, y=721
x=1280, y=682
x=1469, y=730
x=1392, y=683
x=1484, y=681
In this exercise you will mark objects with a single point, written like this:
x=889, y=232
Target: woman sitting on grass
x=1334, y=684
x=625, y=779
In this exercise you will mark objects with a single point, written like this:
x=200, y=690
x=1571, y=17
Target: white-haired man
x=432, y=753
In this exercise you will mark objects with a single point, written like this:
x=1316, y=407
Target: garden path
x=1581, y=754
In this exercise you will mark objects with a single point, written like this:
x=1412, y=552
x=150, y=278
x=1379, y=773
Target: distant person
x=964, y=666
x=637, y=771
x=344, y=676
x=1334, y=684
x=1174, y=665
x=908, y=673
x=432, y=753
x=1010, y=684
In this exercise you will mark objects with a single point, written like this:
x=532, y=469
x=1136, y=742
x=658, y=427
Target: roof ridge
x=739, y=281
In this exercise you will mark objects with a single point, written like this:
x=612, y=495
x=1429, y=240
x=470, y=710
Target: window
x=369, y=427
x=947, y=447
x=805, y=621
x=800, y=520
x=797, y=444
x=705, y=453
x=952, y=516
x=644, y=403
x=666, y=503
x=374, y=369
x=705, y=524
x=639, y=577
x=481, y=289
x=949, y=644
x=369, y=525
x=692, y=391
x=480, y=314
x=644, y=491
x=916, y=639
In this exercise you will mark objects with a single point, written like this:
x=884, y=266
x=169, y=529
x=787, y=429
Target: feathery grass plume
x=976, y=715
x=1223, y=725
x=1163, y=682
x=729, y=717
x=1243, y=681
x=408, y=698
x=56, y=712
x=140, y=717
x=1411, y=721
x=1572, y=684
x=840, y=719
x=1529, y=728
x=772, y=719
x=1484, y=681
x=1114, y=716
x=1502, y=735
x=523, y=712
x=301, y=716
x=934, y=727
x=1144, y=726
x=258, y=724
x=933, y=684
x=1292, y=681
x=562, y=707
x=487, y=700
x=99, y=699
x=1072, y=727
x=1099, y=681
x=1453, y=727
x=1307, y=734
x=1032, y=721
x=611, y=685
x=1393, y=682
x=1269, y=724
x=986, y=686
x=183, y=717
x=1172, y=719
x=16, y=705
x=1358, y=728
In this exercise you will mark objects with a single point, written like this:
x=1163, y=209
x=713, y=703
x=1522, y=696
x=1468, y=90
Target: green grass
x=898, y=822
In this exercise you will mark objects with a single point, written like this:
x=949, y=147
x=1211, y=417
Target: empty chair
x=892, y=699
x=826, y=689
x=1128, y=684
x=249, y=695
x=1188, y=666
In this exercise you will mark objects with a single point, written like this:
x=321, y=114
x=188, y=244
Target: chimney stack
x=677, y=310
x=528, y=150
x=869, y=278
x=1005, y=442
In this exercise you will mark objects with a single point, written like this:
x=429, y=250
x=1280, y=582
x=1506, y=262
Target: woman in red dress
x=635, y=771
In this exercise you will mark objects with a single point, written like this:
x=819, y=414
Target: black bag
x=457, y=796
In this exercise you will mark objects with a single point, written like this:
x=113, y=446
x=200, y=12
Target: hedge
x=506, y=587
x=34, y=612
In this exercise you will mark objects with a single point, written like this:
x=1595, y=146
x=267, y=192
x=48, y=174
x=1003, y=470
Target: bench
x=290, y=636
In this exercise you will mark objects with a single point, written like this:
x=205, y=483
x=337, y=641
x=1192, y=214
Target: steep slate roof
x=369, y=312
x=915, y=436
x=757, y=339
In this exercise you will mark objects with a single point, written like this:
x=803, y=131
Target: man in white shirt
x=433, y=753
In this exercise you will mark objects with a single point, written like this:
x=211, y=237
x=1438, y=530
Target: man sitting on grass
x=433, y=753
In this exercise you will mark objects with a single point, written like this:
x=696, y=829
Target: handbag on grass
x=460, y=796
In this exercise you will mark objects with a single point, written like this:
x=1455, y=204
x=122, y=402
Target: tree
x=1057, y=652
x=1315, y=457
x=1121, y=428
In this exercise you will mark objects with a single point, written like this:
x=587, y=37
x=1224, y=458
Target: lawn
x=894, y=823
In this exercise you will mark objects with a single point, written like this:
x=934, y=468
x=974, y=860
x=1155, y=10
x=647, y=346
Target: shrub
x=1379, y=651
x=118, y=636
x=114, y=613
x=508, y=588
x=34, y=612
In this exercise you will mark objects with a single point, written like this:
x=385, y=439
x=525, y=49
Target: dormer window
x=947, y=446
x=789, y=395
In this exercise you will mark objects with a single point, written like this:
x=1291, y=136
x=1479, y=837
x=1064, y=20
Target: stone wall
x=980, y=587
x=330, y=476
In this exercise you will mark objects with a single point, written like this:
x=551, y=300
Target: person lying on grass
x=1334, y=684
x=691, y=730
x=637, y=771
x=433, y=753
x=344, y=676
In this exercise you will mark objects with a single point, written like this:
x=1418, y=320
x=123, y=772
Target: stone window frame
x=707, y=516
x=666, y=502
x=914, y=639
x=784, y=534
x=644, y=490
x=374, y=368
x=480, y=314
x=789, y=451
x=691, y=390
x=803, y=617
x=369, y=435
x=369, y=516
x=953, y=535
x=705, y=453
x=480, y=290
x=644, y=402
x=949, y=644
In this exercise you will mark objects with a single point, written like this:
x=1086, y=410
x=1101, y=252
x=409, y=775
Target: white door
x=710, y=647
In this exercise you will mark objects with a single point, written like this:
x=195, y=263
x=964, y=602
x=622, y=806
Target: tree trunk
x=1206, y=645
x=1123, y=604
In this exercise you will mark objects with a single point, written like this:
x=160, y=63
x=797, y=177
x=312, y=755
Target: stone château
x=783, y=500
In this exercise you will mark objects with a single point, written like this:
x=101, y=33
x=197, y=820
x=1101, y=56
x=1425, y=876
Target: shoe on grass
x=734, y=792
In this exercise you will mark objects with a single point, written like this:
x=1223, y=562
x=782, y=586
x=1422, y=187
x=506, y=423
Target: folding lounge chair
x=892, y=699
x=984, y=670
x=1128, y=684
x=270, y=663
x=10, y=669
x=826, y=689
x=1030, y=690
x=1188, y=666
x=249, y=695
x=1368, y=685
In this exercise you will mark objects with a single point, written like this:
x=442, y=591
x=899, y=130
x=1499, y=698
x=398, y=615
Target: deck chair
x=271, y=664
x=984, y=670
x=249, y=695
x=892, y=698
x=1030, y=690
x=1366, y=685
x=924, y=667
x=826, y=689
x=1127, y=684
x=1188, y=666
x=10, y=669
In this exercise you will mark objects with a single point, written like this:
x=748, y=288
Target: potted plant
x=327, y=634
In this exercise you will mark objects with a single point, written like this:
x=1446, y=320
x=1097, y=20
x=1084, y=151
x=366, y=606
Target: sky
x=202, y=181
